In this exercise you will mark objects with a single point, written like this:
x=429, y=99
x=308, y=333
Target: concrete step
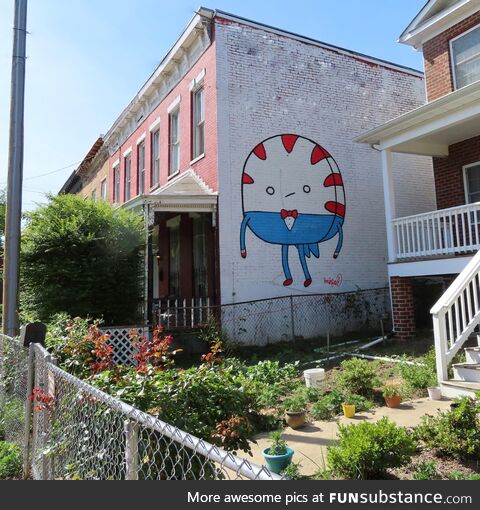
x=472, y=354
x=455, y=388
x=469, y=372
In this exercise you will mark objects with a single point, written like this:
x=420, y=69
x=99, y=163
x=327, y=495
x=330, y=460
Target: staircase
x=455, y=318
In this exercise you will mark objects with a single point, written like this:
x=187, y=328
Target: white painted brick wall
x=270, y=84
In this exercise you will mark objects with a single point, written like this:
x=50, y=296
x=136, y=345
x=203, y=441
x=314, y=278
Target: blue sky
x=87, y=59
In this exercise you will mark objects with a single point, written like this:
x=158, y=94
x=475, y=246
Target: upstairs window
x=141, y=168
x=465, y=50
x=128, y=178
x=198, y=118
x=472, y=183
x=174, y=142
x=116, y=183
x=103, y=189
x=155, y=171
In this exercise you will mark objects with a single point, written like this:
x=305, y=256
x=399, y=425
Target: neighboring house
x=238, y=151
x=440, y=245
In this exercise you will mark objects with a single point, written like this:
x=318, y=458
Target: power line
x=48, y=173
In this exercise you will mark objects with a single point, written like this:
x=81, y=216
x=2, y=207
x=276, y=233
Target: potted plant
x=348, y=406
x=392, y=395
x=295, y=412
x=278, y=455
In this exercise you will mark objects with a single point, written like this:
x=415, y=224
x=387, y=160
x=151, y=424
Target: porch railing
x=443, y=232
x=179, y=313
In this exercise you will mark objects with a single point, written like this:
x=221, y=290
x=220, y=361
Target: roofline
x=310, y=40
x=409, y=119
x=417, y=33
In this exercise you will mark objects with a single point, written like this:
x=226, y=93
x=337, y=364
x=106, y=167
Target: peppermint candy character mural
x=292, y=195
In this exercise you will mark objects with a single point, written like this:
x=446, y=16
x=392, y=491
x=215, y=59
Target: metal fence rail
x=80, y=432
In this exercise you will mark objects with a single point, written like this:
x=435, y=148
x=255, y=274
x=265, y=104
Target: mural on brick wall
x=293, y=196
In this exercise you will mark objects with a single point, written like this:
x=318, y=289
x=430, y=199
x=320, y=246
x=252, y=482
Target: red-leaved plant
x=154, y=354
x=43, y=401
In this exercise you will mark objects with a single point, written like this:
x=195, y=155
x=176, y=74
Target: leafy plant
x=278, y=445
x=83, y=258
x=12, y=416
x=391, y=390
x=455, y=432
x=357, y=376
x=295, y=404
x=292, y=472
x=367, y=450
x=419, y=375
x=10, y=460
x=328, y=406
x=458, y=475
x=426, y=470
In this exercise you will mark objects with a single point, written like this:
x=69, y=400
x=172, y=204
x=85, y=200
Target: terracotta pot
x=394, y=401
x=295, y=419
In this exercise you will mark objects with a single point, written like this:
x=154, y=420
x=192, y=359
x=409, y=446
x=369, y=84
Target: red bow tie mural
x=286, y=214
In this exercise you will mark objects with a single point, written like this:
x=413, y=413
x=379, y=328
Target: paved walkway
x=310, y=442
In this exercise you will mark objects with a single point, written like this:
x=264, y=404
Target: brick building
x=432, y=256
x=238, y=151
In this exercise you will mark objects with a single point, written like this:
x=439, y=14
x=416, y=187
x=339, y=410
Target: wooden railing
x=443, y=232
x=177, y=313
x=456, y=314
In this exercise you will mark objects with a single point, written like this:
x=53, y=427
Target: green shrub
x=458, y=475
x=10, y=460
x=422, y=374
x=12, y=416
x=455, y=432
x=367, y=450
x=357, y=376
x=278, y=445
x=83, y=258
x=295, y=403
x=331, y=404
x=292, y=472
x=426, y=470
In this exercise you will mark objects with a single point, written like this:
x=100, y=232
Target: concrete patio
x=310, y=443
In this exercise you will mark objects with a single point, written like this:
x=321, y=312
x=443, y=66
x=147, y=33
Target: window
x=472, y=183
x=174, y=142
x=128, y=177
x=103, y=189
x=198, y=128
x=141, y=168
x=94, y=195
x=155, y=170
x=465, y=51
x=116, y=183
x=200, y=256
x=174, y=260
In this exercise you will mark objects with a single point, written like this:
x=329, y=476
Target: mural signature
x=334, y=282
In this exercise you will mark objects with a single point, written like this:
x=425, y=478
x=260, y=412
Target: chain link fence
x=70, y=430
x=302, y=317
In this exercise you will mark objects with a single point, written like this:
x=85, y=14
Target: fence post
x=292, y=318
x=131, y=450
x=28, y=412
x=48, y=386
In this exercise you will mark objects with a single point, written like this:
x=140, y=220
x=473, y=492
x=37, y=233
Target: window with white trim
x=174, y=135
x=141, y=168
x=472, y=182
x=128, y=178
x=116, y=183
x=198, y=119
x=465, y=51
x=155, y=170
x=103, y=189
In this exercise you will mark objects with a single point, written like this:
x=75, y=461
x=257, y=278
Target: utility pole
x=13, y=218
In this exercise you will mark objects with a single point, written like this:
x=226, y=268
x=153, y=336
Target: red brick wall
x=448, y=172
x=436, y=53
x=403, y=308
x=205, y=167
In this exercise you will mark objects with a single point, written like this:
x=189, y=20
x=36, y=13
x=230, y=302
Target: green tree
x=82, y=258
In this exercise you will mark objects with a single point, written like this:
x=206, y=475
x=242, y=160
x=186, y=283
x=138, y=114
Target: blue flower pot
x=277, y=463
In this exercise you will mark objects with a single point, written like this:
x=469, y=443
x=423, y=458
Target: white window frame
x=452, y=58
x=465, y=180
x=173, y=145
x=103, y=189
x=116, y=182
x=155, y=161
x=127, y=184
x=197, y=124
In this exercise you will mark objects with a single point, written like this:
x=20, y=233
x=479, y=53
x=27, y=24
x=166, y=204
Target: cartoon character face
x=292, y=195
x=291, y=172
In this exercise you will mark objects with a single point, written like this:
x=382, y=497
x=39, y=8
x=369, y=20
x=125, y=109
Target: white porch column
x=389, y=199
